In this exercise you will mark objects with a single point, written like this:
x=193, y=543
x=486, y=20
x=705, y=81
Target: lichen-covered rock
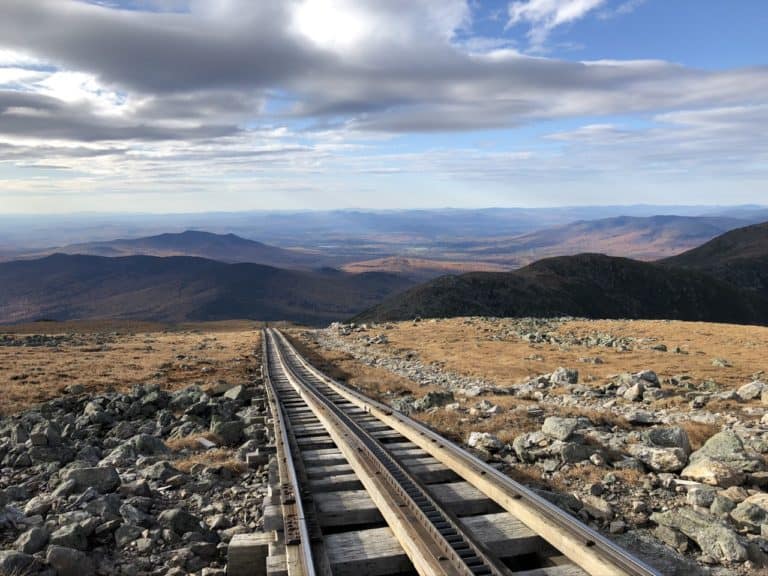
x=752, y=512
x=712, y=472
x=484, y=441
x=668, y=437
x=103, y=479
x=559, y=428
x=659, y=459
x=714, y=538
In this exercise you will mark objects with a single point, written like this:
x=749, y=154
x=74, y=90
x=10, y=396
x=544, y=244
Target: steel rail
x=588, y=546
x=457, y=547
x=305, y=545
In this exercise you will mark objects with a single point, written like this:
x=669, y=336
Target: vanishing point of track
x=366, y=490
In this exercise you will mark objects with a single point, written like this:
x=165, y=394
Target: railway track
x=364, y=490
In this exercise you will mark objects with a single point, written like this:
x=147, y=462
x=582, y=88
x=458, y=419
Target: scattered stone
x=69, y=562
x=559, y=428
x=103, y=479
x=484, y=441
x=714, y=538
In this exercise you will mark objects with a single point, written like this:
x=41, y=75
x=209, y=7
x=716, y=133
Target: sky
x=208, y=105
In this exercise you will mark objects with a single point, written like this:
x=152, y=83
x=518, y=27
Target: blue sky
x=195, y=105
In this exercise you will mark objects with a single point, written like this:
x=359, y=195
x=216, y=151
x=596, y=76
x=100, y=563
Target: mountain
x=589, y=285
x=63, y=287
x=420, y=269
x=739, y=256
x=222, y=247
x=642, y=238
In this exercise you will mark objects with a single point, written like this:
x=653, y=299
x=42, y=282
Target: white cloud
x=546, y=15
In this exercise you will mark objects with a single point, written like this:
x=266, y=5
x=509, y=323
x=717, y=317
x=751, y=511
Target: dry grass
x=217, y=457
x=103, y=356
x=191, y=442
x=699, y=432
x=467, y=349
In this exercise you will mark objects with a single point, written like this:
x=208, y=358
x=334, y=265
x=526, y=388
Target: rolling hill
x=740, y=257
x=722, y=281
x=222, y=247
x=63, y=287
x=643, y=238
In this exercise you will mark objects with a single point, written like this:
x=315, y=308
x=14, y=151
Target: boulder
x=70, y=536
x=563, y=376
x=103, y=478
x=12, y=562
x=432, y=400
x=726, y=447
x=659, y=459
x=559, y=428
x=714, y=538
x=69, y=562
x=668, y=437
x=712, y=472
x=160, y=471
x=752, y=512
x=484, y=441
x=635, y=392
x=32, y=541
x=751, y=391
x=180, y=521
x=148, y=445
x=230, y=431
x=238, y=394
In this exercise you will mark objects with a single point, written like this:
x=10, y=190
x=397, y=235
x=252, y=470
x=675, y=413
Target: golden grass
x=218, y=457
x=114, y=356
x=466, y=348
x=191, y=442
x=699, y=432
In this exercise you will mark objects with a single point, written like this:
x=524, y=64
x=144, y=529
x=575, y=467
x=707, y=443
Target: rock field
x=663, y=463
x=136, y=483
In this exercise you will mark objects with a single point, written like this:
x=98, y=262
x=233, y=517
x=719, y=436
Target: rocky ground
x=143, y=481
x=670, y=464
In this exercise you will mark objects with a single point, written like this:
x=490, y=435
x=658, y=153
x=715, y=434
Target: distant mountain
x=723, y=281
x=643, y=238
x=420, y=268
x=221, y=247
x=63, y=287
x=739, y=257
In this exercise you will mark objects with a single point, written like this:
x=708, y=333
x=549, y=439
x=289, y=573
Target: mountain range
x=725, y=280
x=173, y=289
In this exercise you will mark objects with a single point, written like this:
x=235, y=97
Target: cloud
x=543, y=16
x=236, y=89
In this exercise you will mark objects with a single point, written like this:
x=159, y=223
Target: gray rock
x=563, y=376
x=484, y=441
x=722, y=506
x=32, y=541
x=69, y=562
x=649, y=377
x=70, y=536
x=727, y=447
x=751, y=391
x=238, y=394
x=559, y=428
x=180, y=521
x=712, y=472
x=635, y=392
x=126, y=534
x=149, y=445
x=39, y=505
x=752, y=512
x=659, y=459
x=230, y=432
x=433, y=399
x=714, y=538
x=160, y=471
x=12, y=563
x=701, y=496
x=669, y=437
x=104, y=479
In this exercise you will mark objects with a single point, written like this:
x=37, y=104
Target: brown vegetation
x=102, y=356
